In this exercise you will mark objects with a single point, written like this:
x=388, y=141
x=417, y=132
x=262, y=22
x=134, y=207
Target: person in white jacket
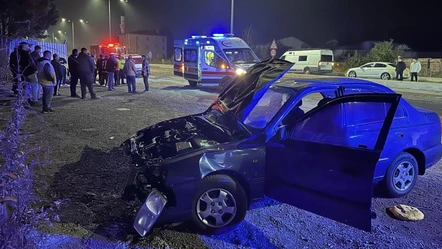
x=415, y=69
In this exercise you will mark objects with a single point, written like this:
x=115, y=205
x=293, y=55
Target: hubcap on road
x=216, y=207
x=403, y=176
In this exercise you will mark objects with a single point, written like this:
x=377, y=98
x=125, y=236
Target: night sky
x=312, y=21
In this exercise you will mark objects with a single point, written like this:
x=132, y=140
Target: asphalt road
x=81, y=135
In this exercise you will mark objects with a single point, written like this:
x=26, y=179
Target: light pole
x=110, y=21
x=73, y=28
x=232, y=9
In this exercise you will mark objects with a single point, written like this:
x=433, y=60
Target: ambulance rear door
x=192, y=66
x=178, y=63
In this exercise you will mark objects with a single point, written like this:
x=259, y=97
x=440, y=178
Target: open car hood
x=244, y=92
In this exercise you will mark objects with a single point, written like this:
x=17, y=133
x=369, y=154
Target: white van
x=310, y=61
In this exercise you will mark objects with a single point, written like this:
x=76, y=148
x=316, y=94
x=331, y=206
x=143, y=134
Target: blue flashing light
x=222, y=35
x=198, y=36
x=208, y=42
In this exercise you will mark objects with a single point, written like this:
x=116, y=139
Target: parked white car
x=377, y=70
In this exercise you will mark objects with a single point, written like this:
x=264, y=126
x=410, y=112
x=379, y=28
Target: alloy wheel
x=403, y=176
x=216, y=208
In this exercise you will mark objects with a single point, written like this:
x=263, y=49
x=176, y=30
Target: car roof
x=300, y=84
x=383, y=62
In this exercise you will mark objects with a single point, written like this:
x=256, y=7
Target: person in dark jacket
x=86, y=70
x=99, y=69
x=63, y=63
x=400, y=68
x=26, y=68
x=55, y=62
x=15, y=69
x=111, y=66
x=73, y=71
x=36, y=53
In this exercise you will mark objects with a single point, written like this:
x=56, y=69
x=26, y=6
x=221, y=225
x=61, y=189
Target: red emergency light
x=111, y=45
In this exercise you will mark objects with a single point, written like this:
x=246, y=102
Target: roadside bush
x=382, y=51
x=20, y=211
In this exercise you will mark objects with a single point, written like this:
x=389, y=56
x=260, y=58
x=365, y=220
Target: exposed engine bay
x=153, y=146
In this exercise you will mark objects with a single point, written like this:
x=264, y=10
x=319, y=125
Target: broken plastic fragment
x=406, y=213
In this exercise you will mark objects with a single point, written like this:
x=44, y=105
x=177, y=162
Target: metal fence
x=7, y=45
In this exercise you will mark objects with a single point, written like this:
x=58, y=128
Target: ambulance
x=212, y=60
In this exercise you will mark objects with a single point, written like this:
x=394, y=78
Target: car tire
x=307, y=70
x=352, y=74
x=193, y=83
x=385, y=76
x=401, y=175
x=230, y=211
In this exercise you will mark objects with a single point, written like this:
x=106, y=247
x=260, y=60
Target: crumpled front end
x=155, y=151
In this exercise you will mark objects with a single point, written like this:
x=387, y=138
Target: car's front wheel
x=385, y=76
x=401, y=175
x=219, y=205
x=352, y=74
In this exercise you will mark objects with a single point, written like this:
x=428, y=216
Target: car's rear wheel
x=352, y=74
x=307, y=70
x=219, y=205
x=193, y=83
x=401, y=175
x=385, y=76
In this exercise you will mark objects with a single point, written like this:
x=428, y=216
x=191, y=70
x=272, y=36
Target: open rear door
x=314, y=166
x=178, y=63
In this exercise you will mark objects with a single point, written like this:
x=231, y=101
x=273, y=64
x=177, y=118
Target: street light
x=231, y=16
x=73, y=28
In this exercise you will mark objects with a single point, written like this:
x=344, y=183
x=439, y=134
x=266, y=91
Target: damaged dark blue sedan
x=268, y=137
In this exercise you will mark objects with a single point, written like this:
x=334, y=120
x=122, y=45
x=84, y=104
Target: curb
x=412, y=85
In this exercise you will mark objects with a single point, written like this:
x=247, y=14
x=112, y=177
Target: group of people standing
x=112, y=69
x=415, y=68
x=40, y=73
x=45, y=76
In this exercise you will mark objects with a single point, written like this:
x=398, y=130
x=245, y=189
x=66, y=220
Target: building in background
x=145, y=41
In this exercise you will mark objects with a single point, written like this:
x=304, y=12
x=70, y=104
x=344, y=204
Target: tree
x=382, y=51
x=249, y=36
x=385, y=51
x=27, y=18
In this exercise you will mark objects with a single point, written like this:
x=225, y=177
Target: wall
x=142, y=44
x=430, y=67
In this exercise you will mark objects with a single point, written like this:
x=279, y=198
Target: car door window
x=380, y=65
x=328, y=125
x=368, y=65
x=306, y=104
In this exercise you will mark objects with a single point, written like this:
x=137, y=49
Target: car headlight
x=149, y=212
x=240, y=71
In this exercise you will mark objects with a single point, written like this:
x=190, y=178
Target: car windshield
x=267, y=107
x=241, y=56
